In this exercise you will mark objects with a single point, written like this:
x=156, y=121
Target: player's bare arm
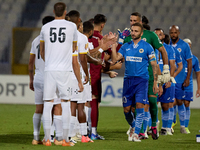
x=74, y=46
x=112, y=74
x=31, y=70
x=95, y=61
x=42, y=50
x=115, y=56
x=198, y=84
x=189, y=69
x=76, y=68
x=178, y=70
x=155, y=74
x=164, y=54
x=159, y=83
x=83, y=61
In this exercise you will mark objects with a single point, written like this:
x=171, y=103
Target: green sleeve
x=156, y=43
x=127, y=39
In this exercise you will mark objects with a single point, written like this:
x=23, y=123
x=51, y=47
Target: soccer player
x=138, y=54
x=189, y=89
x=151, y=38
x=78, y=100
x=58, y=40
x=167, y=96
x=36, y=82
x=182, y=80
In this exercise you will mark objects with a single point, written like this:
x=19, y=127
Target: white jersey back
x=39, y=63
x=82, y=48
x=58, y=36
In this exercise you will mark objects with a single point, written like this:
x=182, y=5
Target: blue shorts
x=179, y=91
x=167, y=96
x=134, y=91
x=188, y=96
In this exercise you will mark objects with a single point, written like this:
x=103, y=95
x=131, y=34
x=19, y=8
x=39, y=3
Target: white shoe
x=130, y=135
x=146, y=135
x=136, y=138
x=169, y=131
x=128, y=130
x=172, y=130
x=182, y=130
x=157, y=124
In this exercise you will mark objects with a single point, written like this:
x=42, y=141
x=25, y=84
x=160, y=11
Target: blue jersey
x=137, y=58
x=195, y=67
x=170, y=53
x=186, y=54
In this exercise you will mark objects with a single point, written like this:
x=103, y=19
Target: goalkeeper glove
x=166, y=74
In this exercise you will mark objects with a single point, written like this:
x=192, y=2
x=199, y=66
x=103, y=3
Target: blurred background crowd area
x=20, y=23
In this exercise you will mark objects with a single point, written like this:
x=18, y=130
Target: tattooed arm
x=155, y=75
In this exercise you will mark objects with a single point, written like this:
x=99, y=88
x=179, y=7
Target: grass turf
x=16, y=131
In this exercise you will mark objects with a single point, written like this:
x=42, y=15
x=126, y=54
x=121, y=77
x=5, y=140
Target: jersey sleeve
x=121, y=50
x=33, y=49
x=171, y=54
x=188, y=52
x=196, y=64
x=75, y=37
x=156, y=43
x=178, y=56
x=151, y=53
x=83, y=45
x=42, y=35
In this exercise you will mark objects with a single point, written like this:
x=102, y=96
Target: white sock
x=89, y=119
x=36, y=125
x=58, y=126
x=72, y=125
x=86, y=112
x=66, y=113
x=47, y=119
x=94, y=130
x=83, y=128
x=52, y=128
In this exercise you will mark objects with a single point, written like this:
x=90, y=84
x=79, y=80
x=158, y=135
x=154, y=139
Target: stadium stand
x=161, y=13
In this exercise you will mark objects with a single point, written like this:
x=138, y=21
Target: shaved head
x=174, y=33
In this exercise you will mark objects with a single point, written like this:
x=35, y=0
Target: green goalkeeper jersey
x=151, y=38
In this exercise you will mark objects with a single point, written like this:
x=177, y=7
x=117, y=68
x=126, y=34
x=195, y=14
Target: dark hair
x=166, y=39
x=91, y=20
x=99, y=18
x=146, y=26
x=59, y=9
x=87, y=27
x=156, y=29
x=74, y=15
x=139, y=25
x=136, y=14
x=47, y=19
x=145, y=22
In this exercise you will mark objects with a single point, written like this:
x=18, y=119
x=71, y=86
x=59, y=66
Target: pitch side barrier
x=14, y=89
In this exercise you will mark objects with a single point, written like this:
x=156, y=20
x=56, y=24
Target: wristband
x=100, y=50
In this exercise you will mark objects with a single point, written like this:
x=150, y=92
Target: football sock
x=187, y=118
x=145, y=121
x=153, y=110
x=165, y=117
x=150, y=121
x=130, y=119
x=171, y=115
x=52, y=128
x=83, y=128
x=94, y=112
x=89, y=119
x=175, y=111
x=47, y=117
x=66, y=113
x=181, y=113
x=36, y=125
x=58, y=127
x=139, y=119
x=94, y=130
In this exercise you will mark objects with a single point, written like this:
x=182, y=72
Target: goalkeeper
x=151, y=38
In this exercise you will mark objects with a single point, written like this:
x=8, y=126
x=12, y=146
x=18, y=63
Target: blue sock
x=150, y=121
x=130, y=119
x=165, y=117
x=181, y=113
x=175, y=111
x=145, y=121
x=139, y=119
x=171, y=115
x=187, y=116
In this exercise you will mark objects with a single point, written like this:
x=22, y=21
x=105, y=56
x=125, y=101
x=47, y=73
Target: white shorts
x=57, y=80
x=38, y=91
x=88, y=92
x=57, y=101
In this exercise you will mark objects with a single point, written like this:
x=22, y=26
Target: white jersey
x=39, y=63
x=82, y=49
x=58, y=36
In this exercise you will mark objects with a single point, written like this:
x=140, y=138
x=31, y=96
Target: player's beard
x=174, y=39
x=136, y=37
x=90, y=36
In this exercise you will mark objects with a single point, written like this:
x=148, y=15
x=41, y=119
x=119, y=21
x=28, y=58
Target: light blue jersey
x=186, y=54
x=137, y=58
x=195, y=68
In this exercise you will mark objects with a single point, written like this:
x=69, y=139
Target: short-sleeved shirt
x=39, y=63
x=186, y=54
x=58, y=36
x=170, y=53
x=137, y=58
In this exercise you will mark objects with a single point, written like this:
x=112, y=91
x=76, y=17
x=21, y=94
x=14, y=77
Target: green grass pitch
x=16, y=132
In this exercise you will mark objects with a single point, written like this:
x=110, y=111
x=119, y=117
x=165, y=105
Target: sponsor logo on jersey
x=128, y=49
x=134, y=59
x=86, y=46
x=141, y=50
x=179, y=49
x=144, y=39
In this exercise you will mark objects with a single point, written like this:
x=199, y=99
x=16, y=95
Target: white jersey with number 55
x=58, y=36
